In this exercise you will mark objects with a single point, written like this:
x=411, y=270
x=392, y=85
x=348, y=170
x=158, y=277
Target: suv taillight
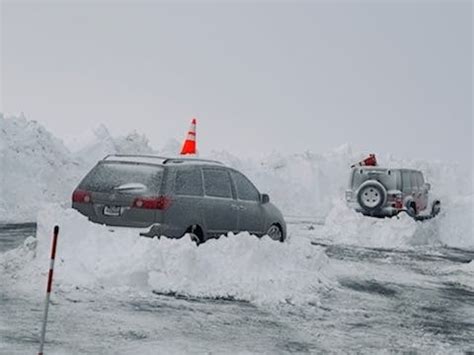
x=152, y=203
x=81, y=196
x=396, y=199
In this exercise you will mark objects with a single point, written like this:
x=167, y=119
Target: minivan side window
x=217, y=183
x=406, y=181
x=188, y=182
x=245, y=189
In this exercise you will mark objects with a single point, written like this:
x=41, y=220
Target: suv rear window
x=359, y=176
x=217, y=183
x=105, y=176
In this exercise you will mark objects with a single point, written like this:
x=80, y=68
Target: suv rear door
x=251, y=217
x=220, y=210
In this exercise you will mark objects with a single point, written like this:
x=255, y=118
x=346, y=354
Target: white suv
x=380, y=192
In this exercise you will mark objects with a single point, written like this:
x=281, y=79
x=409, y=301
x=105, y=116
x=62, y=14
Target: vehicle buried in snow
x=174, y=197
x=381, y=192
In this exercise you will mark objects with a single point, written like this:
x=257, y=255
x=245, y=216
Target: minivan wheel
x=195, y=233
x=275, y=232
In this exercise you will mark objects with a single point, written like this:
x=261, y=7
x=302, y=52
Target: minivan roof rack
x=160, y=159
x=135, y=158
x=135, y=155
x=197, y=160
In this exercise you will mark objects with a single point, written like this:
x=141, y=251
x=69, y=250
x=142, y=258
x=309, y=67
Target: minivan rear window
x=105, y=177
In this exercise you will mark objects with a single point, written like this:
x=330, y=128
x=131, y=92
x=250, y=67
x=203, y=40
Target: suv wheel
x=371, y=196
x=436, y=208
x=411, y=209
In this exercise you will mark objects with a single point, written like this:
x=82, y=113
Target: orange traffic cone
x=189, y=145
x=371, y=160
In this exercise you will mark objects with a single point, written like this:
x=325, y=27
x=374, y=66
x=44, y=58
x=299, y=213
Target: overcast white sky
x=393, y=77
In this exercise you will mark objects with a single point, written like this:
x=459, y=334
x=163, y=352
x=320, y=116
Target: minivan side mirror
x=427, y=186
x=264, y=198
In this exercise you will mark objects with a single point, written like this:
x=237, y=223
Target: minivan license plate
x=112, y=211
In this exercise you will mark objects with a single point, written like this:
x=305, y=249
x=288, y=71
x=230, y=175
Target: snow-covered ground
x=117, y=293
x=342, y=282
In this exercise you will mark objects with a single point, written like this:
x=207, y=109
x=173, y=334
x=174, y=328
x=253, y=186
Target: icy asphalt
x=417, y=298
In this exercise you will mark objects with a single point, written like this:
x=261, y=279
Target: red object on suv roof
x=371, y=160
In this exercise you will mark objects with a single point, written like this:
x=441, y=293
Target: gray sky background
x=391, y=77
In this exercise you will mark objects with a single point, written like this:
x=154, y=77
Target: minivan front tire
x=275, y=233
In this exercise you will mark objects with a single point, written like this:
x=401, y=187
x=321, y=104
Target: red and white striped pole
x=49, y=287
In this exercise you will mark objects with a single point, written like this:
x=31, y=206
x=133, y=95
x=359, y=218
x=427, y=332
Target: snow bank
x=453, y=227
x=34, y=167
x=37, y=168
x=103, y=143
x=238, y=266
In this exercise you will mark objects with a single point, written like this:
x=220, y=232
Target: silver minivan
x=174, y=197
x=382, y=192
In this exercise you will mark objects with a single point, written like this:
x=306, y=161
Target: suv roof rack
x=194, y=160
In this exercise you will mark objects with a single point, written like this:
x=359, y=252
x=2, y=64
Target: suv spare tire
x=371, y=196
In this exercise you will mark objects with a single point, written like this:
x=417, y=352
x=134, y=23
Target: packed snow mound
x=38, y=168
x=453, y=227
x=105, y=144
x=241, y=267
x=34, y=167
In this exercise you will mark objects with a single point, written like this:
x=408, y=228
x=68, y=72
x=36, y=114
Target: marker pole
x=48, y=288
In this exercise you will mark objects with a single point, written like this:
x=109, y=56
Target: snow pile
x=453, y=227
x=34, y=167
x=103, y=144
x=344, y=225
x=299, y=184
x=37, y=168
x=240, y=267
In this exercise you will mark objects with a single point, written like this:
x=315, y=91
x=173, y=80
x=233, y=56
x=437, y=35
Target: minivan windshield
x=359, y=176
x=107, y=176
